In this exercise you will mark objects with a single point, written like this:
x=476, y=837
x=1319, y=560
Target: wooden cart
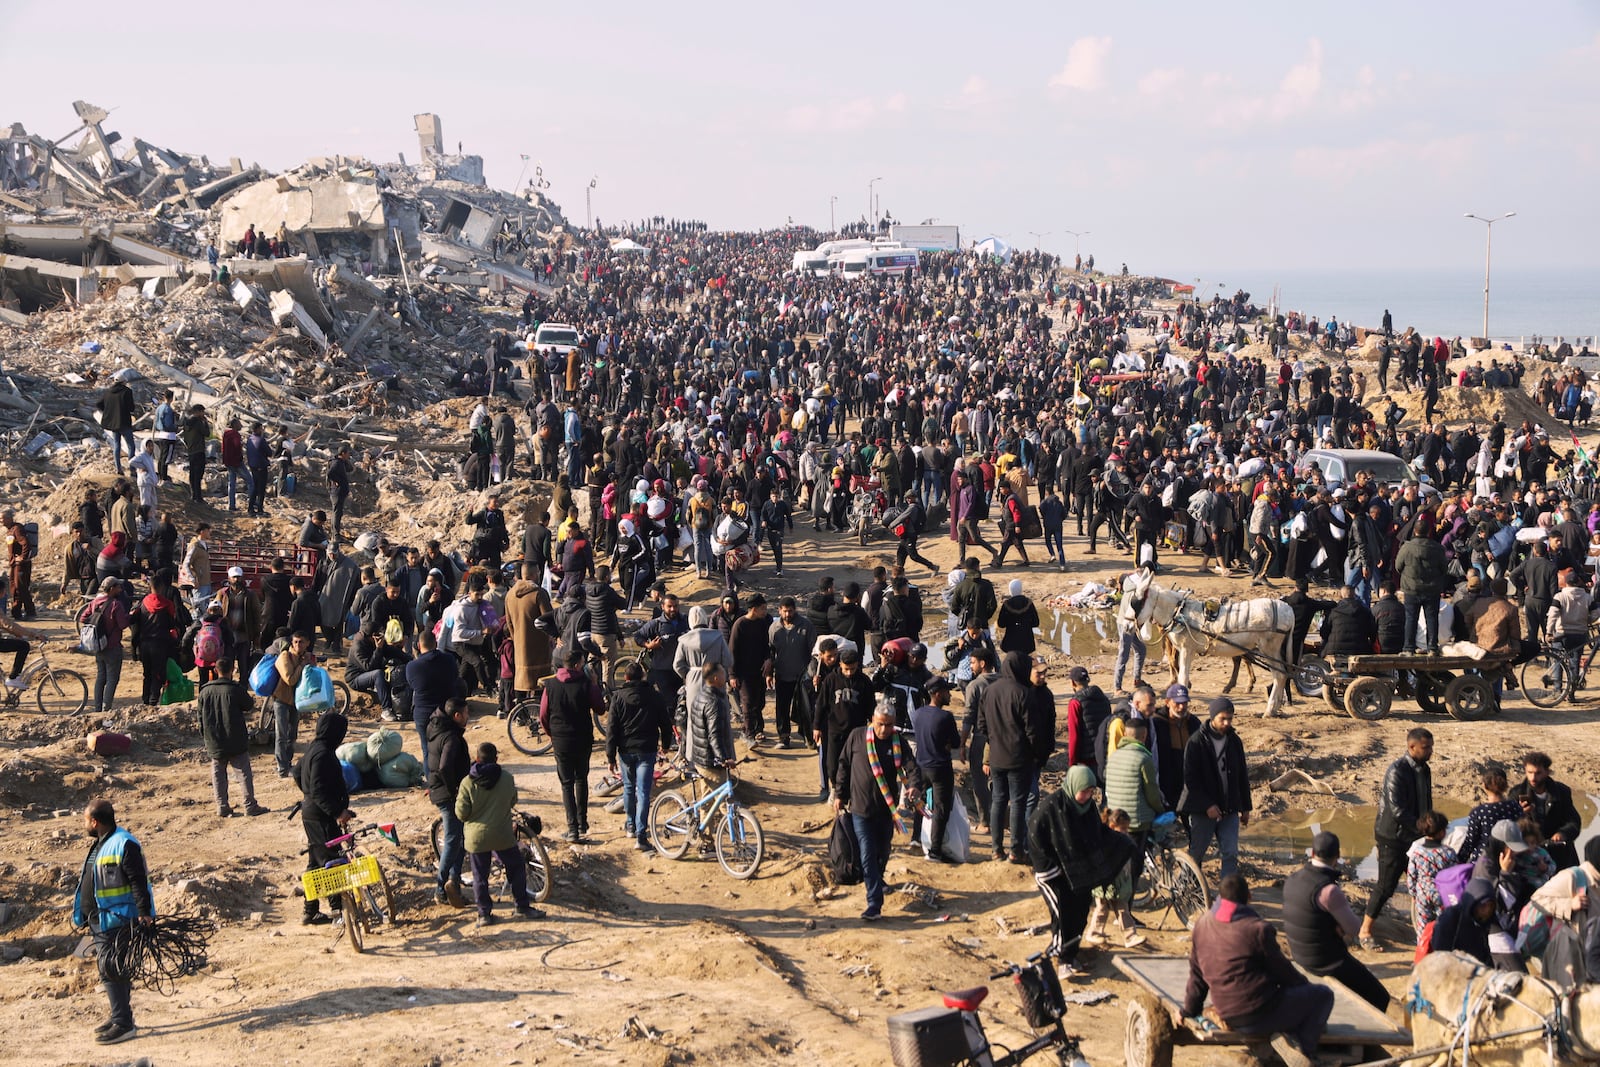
x=1156, y=1022
x=1366, y=686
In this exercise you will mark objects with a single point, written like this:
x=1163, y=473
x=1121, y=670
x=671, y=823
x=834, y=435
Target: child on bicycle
x=14, y=637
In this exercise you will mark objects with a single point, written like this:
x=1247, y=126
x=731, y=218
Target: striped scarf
x=898, y=745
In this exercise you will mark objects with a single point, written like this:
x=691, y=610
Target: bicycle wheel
x=355, y=920
x=1186, y=887
x=61, y=691
x=1546, y=679
x=390, y=910
x=740, y=842
x=671, y=824
x=522, y=727
x=341, y=696
x=539, y=876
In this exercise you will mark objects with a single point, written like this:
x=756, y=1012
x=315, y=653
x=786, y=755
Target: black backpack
x=844, y=853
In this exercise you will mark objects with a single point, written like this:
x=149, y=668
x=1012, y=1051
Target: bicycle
x=523, y=728
x=1556, y=673
x=355, y=878
x=528, y=827
x=675, y=823
x=57, y=690
x=1172, y=876
x=954, y=1035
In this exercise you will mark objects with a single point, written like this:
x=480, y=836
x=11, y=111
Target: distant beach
x=1522, y=303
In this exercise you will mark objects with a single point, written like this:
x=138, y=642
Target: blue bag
x=264, y=676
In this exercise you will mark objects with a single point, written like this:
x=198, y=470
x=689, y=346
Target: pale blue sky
x=1185, y=138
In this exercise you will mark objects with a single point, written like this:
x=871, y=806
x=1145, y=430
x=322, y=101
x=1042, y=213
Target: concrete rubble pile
x=389, y=278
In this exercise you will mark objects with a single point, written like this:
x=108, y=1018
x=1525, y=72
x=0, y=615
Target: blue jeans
x=1202, y=829
x=1052, y=536
x=116, y=446
x=1363, y=587
x=1428, y=608
x=420, y=717
x=286, y=727
x=874, y=834
x=638, y=775
x=236, y=476
x=453, y=847
x=703, y=559
x=1129, y=646
x=375, y=683
x=1009, y=788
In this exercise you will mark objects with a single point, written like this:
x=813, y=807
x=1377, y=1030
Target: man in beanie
x=1318, y=923
x=1216, y=787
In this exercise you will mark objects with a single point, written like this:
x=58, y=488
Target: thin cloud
x=1085, y=69
x=1161, y=81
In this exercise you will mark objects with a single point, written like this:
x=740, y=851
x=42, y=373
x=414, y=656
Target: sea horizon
x=1523, y=303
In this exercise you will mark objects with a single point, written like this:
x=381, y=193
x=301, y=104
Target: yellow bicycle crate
x=331, y=881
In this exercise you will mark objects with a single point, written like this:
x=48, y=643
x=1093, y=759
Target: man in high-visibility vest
x=113, y=892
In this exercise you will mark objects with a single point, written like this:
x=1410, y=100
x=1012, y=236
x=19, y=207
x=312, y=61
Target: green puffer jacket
x=1131, y=784
x=484, y=804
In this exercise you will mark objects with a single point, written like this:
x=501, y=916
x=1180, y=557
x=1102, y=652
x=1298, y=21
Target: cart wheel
x=1431, y=687
x=1369, y=699
x=1148, y=1040
x=1470, y=698
x=1332, y=697
x=1311, y=675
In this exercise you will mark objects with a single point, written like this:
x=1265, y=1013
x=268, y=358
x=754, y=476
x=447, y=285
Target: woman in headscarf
x=1073, y=852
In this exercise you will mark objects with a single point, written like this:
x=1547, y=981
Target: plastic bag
x=314, y=694
x=264, y=676
x=402, y=771
x=355, y=752
x=384, y=745
x=352, y=776
x=178, y=692
x=957, y=832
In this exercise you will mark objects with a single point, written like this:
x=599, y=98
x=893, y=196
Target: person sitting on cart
x=1235, y=960
x=1319, y=923
x=1348, y=628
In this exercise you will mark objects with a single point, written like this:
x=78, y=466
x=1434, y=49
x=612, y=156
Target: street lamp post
x=832, y=226
x=1488, y=244
x=871, y=220
x=588, y=203
x=1035, y=234
x=1077, y=239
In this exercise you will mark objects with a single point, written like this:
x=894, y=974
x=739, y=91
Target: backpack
x=844, y=853
x=208, y=642
x=95, y=636
x=1452, y=882
x=30, y=531
x=982, y=606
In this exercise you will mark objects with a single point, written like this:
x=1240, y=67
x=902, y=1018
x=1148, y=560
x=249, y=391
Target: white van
x=812, y=262
x=879, y=260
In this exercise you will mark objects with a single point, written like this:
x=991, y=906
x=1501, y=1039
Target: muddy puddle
x=1079, y=635
x=1286, y=838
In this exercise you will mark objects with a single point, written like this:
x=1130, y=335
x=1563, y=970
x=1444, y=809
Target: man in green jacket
x=484, y=805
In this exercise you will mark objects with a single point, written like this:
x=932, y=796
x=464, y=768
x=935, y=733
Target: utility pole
x=1488, y=245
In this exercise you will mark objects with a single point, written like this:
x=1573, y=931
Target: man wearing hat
x=1318, y=923
x=1216, y=787
x=1088, y=708
x=1171, y=727
x=937, y=740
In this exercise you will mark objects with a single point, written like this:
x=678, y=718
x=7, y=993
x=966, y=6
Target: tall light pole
x=832, y=226
x=1035, y=234
x=871, y=220
x=1488, y=244
x=1077, y=238
x=588, y=203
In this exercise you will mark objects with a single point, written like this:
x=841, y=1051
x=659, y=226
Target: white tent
x=993, y=247
x=623, y=244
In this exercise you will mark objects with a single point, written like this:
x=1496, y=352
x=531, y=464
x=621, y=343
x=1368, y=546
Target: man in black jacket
x=224, y=709
x=1216, y=787
x=1348, y=628
x=449, y=760
x=872, y=795
x=603, y=603
x=844, y=702
x=1539, y=580
x=1407, y=793
x=1012, y=727
x=819, y=603
x=1149, y=517
x=906, y=525
x=638, y=725
x=491, y=537
x=1549, y=803
x=325, y=803
x=1317, y=923
x=1305, y=607
x=536, y=548
x=848, y=619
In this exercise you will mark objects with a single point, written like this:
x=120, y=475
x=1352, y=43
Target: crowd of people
x=714, y=399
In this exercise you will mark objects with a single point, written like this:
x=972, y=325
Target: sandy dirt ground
x=641, y=960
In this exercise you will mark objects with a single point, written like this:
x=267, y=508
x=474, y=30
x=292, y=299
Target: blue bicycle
x=675, y=824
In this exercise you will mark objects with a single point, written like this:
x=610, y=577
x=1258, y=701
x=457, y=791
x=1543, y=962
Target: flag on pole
x=524, y=159
x=387, y=830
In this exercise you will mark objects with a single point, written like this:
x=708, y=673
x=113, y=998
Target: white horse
x=1260, y=628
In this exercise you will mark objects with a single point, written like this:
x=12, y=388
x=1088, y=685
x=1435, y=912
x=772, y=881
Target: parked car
x=1341, y=465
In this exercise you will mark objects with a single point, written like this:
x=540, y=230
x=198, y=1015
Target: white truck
x=927, y=238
